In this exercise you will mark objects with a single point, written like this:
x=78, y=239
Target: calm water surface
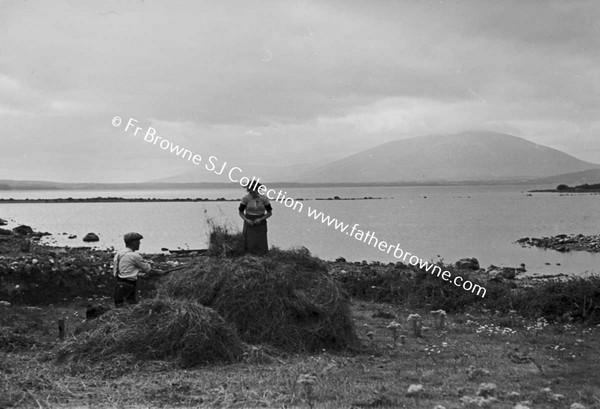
x=430, y=222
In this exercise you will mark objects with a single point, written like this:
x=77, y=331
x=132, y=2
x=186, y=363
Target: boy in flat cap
x=127, y=267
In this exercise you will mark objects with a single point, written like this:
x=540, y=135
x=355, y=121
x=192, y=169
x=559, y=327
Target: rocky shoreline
x=585, y=188
x=564, y=243
x=35, y=273
x=158, y=200
x=115, y=200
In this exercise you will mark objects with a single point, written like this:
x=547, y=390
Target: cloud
x=409, y=116
x=285, y=81
x=19, y=99
x=16, y=98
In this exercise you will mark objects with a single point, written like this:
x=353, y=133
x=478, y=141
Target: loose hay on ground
x=286, y=299
x=158, y=329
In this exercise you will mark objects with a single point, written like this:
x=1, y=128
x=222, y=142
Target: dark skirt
x=255, y=237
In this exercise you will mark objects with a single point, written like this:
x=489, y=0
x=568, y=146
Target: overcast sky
x=285, y=82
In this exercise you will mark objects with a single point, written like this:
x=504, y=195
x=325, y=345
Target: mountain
x=469, y=156
x=268, y=173
x=591, y=177
x=6, y=184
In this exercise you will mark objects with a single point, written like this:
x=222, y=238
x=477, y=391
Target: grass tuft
x=223, y=240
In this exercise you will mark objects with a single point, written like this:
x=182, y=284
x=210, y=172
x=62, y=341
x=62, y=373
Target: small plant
x=415, y=391
x=394, y=328
x=487, y=389
x=417, y=325
x=440, y=319
x=370, y=335
x=307, y=381
x=538, y=326
x=474, y=373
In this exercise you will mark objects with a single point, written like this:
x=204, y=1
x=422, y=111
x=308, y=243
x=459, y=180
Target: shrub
x=409, y=286
x=573, y=299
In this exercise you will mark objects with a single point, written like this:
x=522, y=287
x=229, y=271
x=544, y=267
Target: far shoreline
x=594, y=192
x=10, y=185
x=562, y=188
x=157, y=200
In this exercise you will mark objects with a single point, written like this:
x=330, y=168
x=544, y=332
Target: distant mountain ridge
x=469, y=156
x=268, y=173
x=459, y=159
x=572, y=179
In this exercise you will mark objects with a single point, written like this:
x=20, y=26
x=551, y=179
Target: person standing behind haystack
x=255, y=209
x=127, y=267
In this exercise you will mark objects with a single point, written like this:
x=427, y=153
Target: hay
x=224, y=240
x=157, y=329
x=285, y=299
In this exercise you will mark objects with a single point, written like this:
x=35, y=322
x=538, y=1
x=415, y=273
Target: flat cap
x=132, y=236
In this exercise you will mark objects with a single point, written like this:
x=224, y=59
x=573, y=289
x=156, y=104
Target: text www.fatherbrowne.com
x=234, y=173
x=370, y=239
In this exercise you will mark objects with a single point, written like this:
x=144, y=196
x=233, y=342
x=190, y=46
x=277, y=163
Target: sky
x=284, y=83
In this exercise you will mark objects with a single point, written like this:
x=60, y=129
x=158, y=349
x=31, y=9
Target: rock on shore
x=468, y=263
x=91, y=237
x=493, y=272
x=564, y=243
x=23, y=230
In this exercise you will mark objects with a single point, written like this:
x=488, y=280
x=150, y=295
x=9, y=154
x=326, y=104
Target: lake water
x=430, y=222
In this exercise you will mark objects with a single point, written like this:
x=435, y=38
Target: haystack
x=286, y=299
x=157, y=329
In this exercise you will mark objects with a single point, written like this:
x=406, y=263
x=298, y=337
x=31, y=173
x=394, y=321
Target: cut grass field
x=532, y=362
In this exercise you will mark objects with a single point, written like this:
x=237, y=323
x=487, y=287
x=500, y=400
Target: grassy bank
x=549, y=365
x=564, y=299
x=536, y=344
